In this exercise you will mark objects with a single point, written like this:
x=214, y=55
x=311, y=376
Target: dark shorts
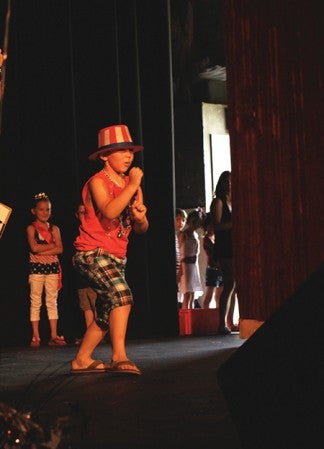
x=213, y=277
x=106, y=275
x=87, y=298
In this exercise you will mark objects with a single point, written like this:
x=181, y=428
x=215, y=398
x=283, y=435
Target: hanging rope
x=3, y=58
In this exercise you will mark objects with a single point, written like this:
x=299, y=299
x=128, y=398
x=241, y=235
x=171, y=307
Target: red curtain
x=275, y=117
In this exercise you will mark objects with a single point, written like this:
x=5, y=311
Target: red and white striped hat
x=114, y=138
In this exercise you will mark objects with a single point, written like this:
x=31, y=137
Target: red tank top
x=96, y=231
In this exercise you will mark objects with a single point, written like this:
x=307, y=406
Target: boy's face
x=179, y=222
x=120, y=160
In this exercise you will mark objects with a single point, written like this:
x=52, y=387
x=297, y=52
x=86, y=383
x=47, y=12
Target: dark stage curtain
x=73, y=68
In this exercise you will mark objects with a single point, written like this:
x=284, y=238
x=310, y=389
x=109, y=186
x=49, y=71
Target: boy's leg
x=118, y=320
x=91, y=339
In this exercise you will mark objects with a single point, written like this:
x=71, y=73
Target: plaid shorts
x=106, y=275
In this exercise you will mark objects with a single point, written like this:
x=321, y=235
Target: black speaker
x=273, y=384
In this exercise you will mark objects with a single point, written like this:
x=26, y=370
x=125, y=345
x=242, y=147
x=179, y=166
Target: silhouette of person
x=221, y=213
x=213, y=276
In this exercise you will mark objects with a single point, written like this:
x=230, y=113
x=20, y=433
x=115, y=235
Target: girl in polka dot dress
x=45, y=244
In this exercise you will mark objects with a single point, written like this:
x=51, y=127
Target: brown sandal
x=58, y=341
x=116, y=367
x=35, y=342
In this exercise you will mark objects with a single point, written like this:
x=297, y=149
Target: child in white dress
x=189, y=251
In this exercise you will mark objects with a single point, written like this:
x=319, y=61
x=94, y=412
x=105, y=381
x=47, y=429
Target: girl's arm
x=46, y=250
x=57, y=241
x=36, y=248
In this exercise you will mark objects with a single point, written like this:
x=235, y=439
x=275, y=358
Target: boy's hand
x=135, y=176
x=137, y=211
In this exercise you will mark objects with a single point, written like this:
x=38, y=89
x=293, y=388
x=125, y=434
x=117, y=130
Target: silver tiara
x=41, y=196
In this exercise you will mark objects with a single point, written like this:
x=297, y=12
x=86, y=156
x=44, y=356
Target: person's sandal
x=35, y=342
x=58, y=341
x=224, y=331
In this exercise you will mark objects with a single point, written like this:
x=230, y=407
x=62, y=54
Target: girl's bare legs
x=230, y=310
x=53, y=328
x=51, y=295
x=230, y=313
x=191, y=300
x=228, y=288
x=35, y=328
x=209, y=292
x=218, y=292
x=185, y=300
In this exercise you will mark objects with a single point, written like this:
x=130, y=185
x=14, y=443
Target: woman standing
x=221, y=212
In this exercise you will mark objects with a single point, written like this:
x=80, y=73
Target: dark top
x=223, y=239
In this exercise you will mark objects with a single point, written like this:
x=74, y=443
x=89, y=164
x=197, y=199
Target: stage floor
x=177, y=401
